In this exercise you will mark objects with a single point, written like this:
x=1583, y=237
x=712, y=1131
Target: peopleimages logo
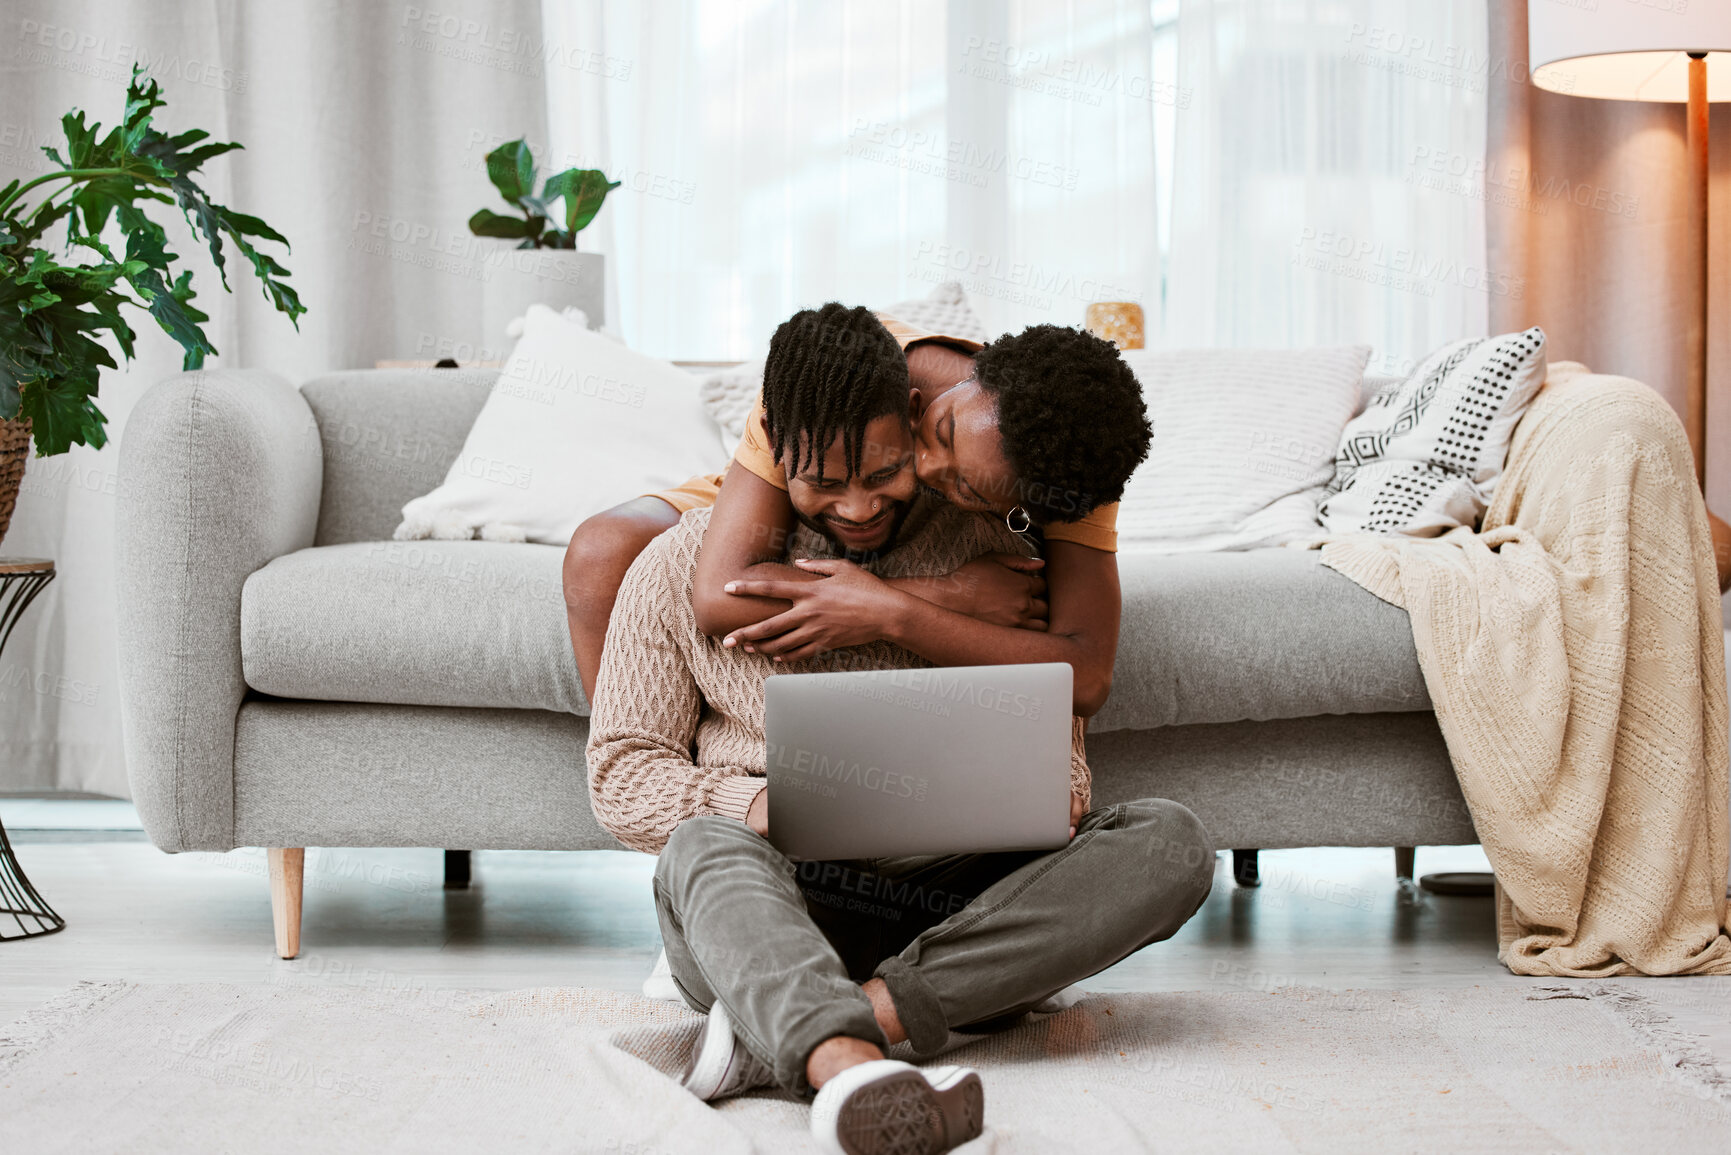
x=840, y=771
x=934, y=153
x=1410, y=270
x=545, y=382
x=942, y=689
x=987, y=268
x=94, y=54
x=951, y=687
x=491, y=469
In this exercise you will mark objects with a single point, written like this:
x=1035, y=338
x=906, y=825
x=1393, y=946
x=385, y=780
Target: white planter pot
x=557, y=278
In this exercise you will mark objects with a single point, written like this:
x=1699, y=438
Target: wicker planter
x=14, y=454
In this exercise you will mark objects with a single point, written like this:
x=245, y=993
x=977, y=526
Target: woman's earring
x=1018, y=514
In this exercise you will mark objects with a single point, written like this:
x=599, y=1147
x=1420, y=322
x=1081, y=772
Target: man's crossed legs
x=959, y=941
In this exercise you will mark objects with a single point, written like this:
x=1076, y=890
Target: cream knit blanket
x=1574, y=654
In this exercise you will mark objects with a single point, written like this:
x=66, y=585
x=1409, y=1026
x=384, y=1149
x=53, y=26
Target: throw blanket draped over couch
x=1574, y=653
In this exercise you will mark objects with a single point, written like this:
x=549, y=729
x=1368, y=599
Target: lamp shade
x=1629, y=49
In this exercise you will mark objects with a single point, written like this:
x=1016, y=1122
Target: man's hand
x=758, y=816
x=848, y=608
x=1005, y=589
x=1078, y=808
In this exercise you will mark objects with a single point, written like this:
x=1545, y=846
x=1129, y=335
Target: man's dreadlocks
x=830, y=370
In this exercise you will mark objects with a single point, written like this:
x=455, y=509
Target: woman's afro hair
x=1071, y=416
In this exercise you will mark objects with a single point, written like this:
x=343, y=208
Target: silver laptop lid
x=871, y=763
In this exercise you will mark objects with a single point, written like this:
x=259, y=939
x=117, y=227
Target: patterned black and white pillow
x=1426, y=453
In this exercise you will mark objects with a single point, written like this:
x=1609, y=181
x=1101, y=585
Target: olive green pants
x=961, y=941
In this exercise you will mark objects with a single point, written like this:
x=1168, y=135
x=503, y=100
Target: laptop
x=955, y=760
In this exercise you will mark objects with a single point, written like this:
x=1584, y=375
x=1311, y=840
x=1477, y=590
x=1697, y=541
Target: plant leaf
x=81, y=145
x=26, y=233
x=143, y=97
x=560, y=184
x=177, y=315
x=62, y=415
x=269, y=271
x=54, y=316
x=96, y=199
x=590, y=190
x=487, y=223
x=49, y=359
x=241, y=224
x=511, y=168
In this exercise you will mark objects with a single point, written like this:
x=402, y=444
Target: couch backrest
x=389, y=436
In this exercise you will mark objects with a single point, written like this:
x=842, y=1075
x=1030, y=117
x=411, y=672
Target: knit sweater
x=676, y=722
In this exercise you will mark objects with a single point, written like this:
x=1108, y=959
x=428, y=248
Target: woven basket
x=14, y=454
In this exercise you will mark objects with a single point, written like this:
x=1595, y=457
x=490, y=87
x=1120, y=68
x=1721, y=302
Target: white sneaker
x=1062, y=1001
x=888, y=1107
x=721, y=1066
x=963, y=1100
x=659, y=985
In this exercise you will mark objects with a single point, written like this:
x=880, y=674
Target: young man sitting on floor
x=803, y=987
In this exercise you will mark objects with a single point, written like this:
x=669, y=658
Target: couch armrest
x=220, y=471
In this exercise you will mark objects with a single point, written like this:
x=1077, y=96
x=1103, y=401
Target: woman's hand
x=1078, y=810
x=849, y=607
x=1005, y=589
x=757, y=817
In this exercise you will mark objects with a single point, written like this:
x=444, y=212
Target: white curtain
x=1254, y=172
x=1329, y=181
x=782, y=154
x=363, y=127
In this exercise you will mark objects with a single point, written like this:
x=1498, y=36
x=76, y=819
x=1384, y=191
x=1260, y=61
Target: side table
x=21, y=579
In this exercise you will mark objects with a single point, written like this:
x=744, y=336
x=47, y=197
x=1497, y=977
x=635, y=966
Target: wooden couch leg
x=1403, y=857
x=285, y=897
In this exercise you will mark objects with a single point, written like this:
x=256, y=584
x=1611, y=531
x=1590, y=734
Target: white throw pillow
x=731, y=394
x=576, y=423
x=1244, y=443
x=1426, y=454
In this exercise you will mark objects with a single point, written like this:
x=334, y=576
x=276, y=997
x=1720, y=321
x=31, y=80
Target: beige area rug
x=208, y=1067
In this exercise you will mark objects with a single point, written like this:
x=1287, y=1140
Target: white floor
x=381, y=918
x=33, y=814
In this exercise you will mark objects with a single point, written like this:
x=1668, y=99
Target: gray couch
x=290, y=677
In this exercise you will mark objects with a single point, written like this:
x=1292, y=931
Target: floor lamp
x=1676, y=53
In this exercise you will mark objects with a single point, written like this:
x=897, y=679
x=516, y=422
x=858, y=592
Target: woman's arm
x=849, y=607
x=747, y=538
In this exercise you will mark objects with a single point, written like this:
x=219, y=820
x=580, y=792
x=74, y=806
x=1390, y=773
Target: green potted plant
x=544, y=267
x=54, y=308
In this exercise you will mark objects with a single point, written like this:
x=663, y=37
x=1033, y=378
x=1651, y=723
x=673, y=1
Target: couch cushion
x=1256, y=635
x=424, y=623
x=1221, y=637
